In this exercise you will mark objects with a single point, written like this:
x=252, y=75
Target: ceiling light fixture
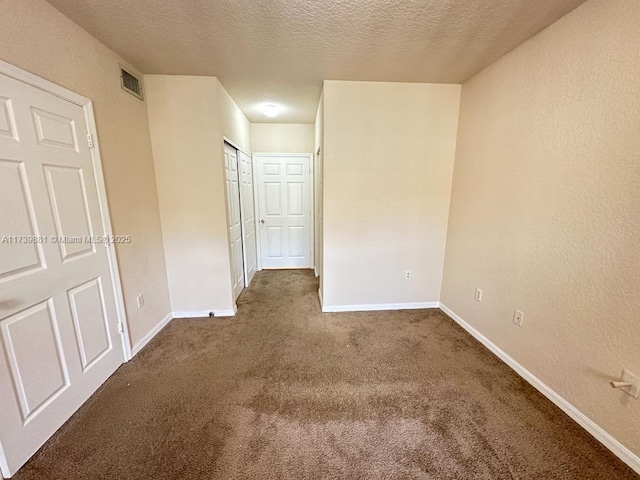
x=270, y=110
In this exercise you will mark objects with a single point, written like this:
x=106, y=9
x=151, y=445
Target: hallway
x=283, y=391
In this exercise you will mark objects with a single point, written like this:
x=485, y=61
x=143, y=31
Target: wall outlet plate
x=140, y=301
x=478, y=295
x=518, y=317
x=633, y=390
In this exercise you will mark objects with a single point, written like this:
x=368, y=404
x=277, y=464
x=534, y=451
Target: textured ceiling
x=280, y=50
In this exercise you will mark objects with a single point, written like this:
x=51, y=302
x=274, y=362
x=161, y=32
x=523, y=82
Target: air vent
x=130, y=83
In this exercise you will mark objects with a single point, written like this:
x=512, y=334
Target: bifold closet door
x=234, y=219
x=247, y=213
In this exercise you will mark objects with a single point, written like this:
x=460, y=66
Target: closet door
x=248, y=216
x=234, y=219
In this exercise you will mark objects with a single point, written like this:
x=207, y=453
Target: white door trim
x=87, y=105
x=256, y=214
x=312, y=209
x=311, y=203
x=235, y=145
x=4, y=466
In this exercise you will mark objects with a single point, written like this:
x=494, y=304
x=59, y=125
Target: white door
x=248, y=217
x=59, y=337
x=234, y=219
x=284, y=206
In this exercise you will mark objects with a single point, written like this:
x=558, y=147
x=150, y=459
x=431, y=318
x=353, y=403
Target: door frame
x=244, y=247
x=256, y=198
x=87, y=106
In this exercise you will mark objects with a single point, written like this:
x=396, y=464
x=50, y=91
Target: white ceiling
x=280, y=50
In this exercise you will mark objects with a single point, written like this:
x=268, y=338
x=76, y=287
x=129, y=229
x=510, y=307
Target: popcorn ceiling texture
x=281, y=51
x=545, y=209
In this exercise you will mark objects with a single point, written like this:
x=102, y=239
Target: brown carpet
x=282, y=391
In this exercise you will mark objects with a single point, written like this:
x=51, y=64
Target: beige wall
x=388, y=160
x=545, y=209
x=282, y=137
x=235, y=125
x=318, y=185
x=185, y=124
x=36, y=37
x=188, y=117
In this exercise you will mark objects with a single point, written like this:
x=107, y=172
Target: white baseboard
x=194, y=314
x=622, y=452
x=320, y=298
x=205, y=313
x=315, y=271
x=154, y=331
x=379, y=306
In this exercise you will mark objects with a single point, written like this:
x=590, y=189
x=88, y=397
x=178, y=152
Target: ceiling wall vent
x=130, y=83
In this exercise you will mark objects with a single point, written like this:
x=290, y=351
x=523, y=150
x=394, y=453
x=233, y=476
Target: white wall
x=546, y=206
x=188, y=117
x=38, y=38
x=388, y=161
x=282, y=137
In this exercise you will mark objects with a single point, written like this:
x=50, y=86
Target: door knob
x=261, y=221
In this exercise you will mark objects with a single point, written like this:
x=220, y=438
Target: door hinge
x=120, y=327
x=90, y=140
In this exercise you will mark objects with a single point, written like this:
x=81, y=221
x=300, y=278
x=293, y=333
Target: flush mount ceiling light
x=270, y=110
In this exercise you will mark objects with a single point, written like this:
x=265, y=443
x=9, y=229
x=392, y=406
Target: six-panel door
x=285, y=210
x=59, y=336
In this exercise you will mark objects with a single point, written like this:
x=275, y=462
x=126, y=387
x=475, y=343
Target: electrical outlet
x=478, y=295
x=140, y=301
x=518, y=316
x=407, y=275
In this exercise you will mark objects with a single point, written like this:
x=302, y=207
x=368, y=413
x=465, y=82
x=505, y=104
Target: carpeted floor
x=282, y=391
